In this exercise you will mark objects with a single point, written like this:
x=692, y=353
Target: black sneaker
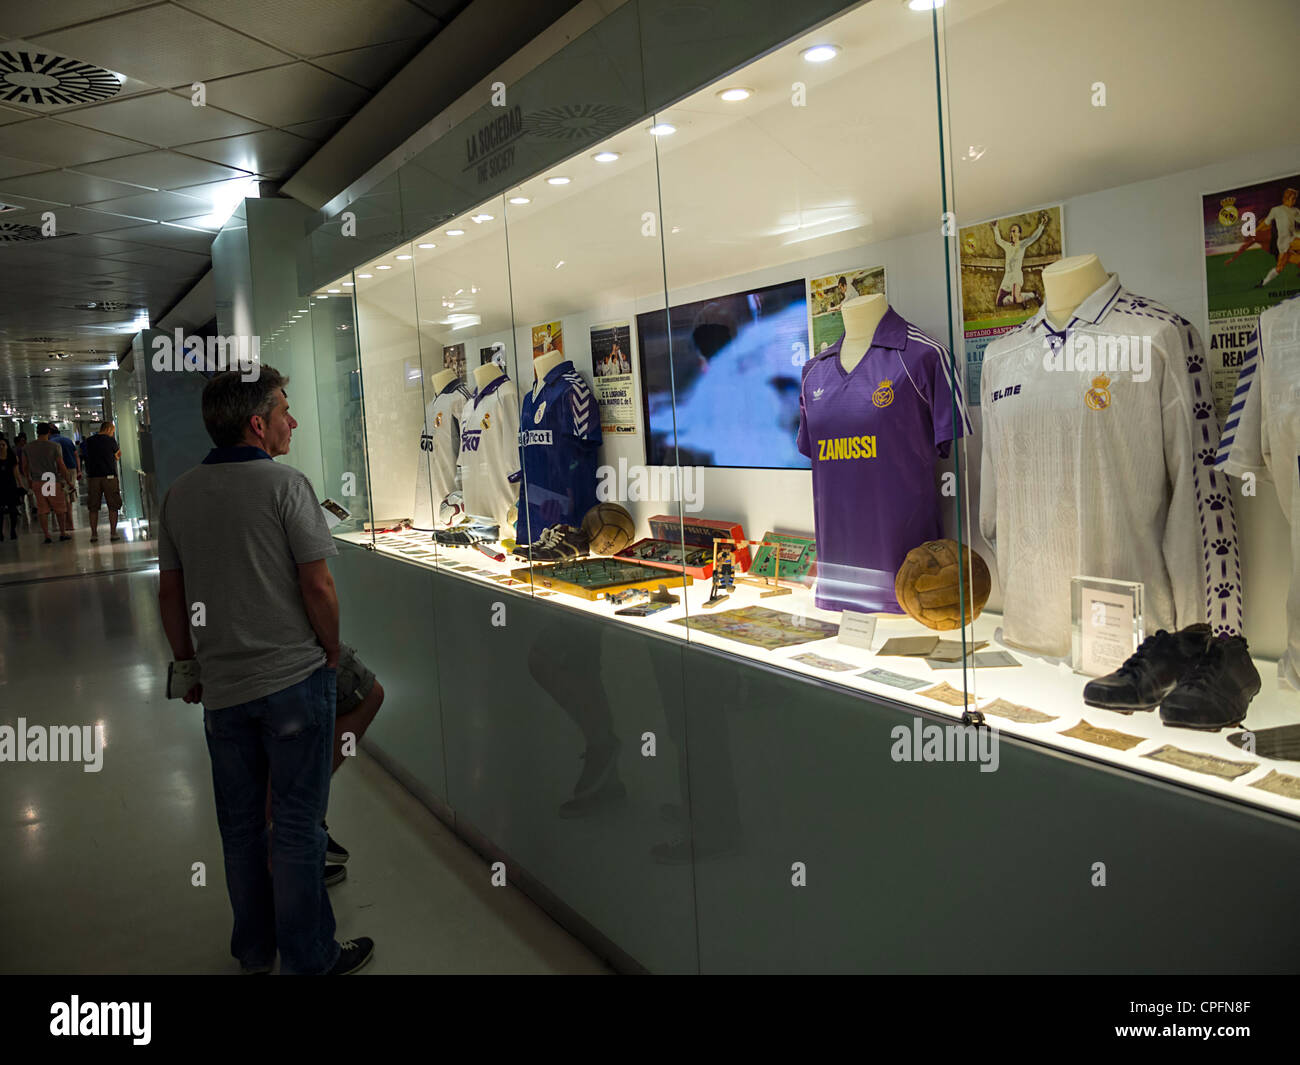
x=1150, y=673
x=334, y=853
x=1216, y=692
x=560, y=543
x=353, y=954
x=334, y=874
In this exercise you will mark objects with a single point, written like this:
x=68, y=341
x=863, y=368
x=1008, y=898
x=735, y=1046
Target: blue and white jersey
x=435, y=476
x=1099, y=461
x=489, y=451
x=559, y=438
x=1262, y=438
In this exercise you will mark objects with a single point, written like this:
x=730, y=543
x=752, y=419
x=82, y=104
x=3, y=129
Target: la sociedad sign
x=490, y=150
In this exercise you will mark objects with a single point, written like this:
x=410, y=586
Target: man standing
x=47, y=475
x=73, y=461
x=102, y=455
x=242, y=555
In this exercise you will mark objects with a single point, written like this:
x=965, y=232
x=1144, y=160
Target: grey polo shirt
x=238, y=526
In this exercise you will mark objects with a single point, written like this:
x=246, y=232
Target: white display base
x=1046, y=685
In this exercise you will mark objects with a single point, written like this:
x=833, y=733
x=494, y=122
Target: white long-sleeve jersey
x=1090, y=470
x=489, y=451
x=1262, y=437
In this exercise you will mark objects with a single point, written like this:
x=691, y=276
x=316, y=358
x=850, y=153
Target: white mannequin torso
x=861, y=317
x=1068, y=282
x=544, y=364
x=441, y=380
x=486, y=374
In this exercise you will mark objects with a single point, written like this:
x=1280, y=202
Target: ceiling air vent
x=579, y=121
x=107, y=306
x=42, y=79
x=13, y=232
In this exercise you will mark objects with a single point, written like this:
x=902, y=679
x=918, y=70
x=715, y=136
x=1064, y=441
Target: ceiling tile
x=165, y=45
x=320, y=130
x=71, y=220
x=64, y=186
x=159, y=170
x=163, y=119
x=372, y=67
x=13, y=167
x=269, y=153
x=158, y=206
x=22, y=18
x=9, y=114
x=283, y=96
x=168, y=236
x=58, y=144
x=312, y=27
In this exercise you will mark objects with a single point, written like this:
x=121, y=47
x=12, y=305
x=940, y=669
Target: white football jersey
x=1262, y=437
x=1093, y=467
x=489, y=451
x=435, y=476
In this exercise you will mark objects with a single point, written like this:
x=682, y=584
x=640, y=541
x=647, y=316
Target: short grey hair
x=229, y=402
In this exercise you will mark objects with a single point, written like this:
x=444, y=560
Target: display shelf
x=1043, y=684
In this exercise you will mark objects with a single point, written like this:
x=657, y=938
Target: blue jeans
x=287, y=736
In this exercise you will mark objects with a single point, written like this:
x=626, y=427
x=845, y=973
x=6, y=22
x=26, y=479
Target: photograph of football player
x=1012, y=290
x=1284, y=226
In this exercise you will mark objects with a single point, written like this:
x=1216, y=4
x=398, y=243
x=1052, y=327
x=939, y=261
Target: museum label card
x=1015, y=712
x=946, y=693
x=1089, y=733
x=1202, y=763
x=857, y=629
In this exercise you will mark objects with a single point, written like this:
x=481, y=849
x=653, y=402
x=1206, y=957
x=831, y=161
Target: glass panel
x=468, y=442
x=804, y=377
x=333, y=324
x=1108, y=506
x=392, y=391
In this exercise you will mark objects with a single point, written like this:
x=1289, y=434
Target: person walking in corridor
x=104, y=485
x=47, y=477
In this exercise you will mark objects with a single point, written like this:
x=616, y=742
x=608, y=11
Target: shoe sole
x=359, y=965
x=331, y=858
x=1120, y=709
x=1213, y=728
x=333, y=879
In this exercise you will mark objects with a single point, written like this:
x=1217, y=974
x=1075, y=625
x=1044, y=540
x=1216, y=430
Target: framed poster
x=825, y=294
x=547, y=338
x=1252, y=263
x=1002, y=279
x=611, y=369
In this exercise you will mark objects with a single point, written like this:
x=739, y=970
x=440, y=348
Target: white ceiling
x=764, y=182
x=139, y=180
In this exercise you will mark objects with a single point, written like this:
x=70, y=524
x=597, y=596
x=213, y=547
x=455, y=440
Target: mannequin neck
x=486, y=374
x=862, y=316
x=1067, y=283
x=441, y=380
x=544, y=364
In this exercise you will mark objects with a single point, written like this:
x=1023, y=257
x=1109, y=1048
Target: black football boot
x=1150, y=673
x=560, y=543
x=1218, y=689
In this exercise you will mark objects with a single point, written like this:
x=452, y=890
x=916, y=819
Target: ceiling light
x=365, y=277
x=662, y=129
x=322, y=297
x=605, y=157
x=735, y=95
x=384, y=267
x=557, y=181
x=426, y=246
x=455, y=232
x=401, y=258
x=519, y=201
x=349, y=284
x=922, y=5
x=481, y=218
x=559, y=264
x=335, y=290
x=820, y=53
x=975, y=151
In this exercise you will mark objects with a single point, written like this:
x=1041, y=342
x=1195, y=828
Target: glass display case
x=914, y=356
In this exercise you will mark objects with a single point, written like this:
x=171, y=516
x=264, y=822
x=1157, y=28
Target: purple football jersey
x=873, y=436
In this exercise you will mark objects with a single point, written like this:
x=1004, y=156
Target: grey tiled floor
x=96, y=867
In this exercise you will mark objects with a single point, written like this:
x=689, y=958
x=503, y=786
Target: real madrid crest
x=487, y=421
x=1228, y=214
x=437, y=420
x=1098, y=396
x=884, y=395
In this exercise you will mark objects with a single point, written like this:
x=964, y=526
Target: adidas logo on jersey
x=817, y=393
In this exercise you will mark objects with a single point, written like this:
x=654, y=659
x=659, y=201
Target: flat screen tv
x=734, y=364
